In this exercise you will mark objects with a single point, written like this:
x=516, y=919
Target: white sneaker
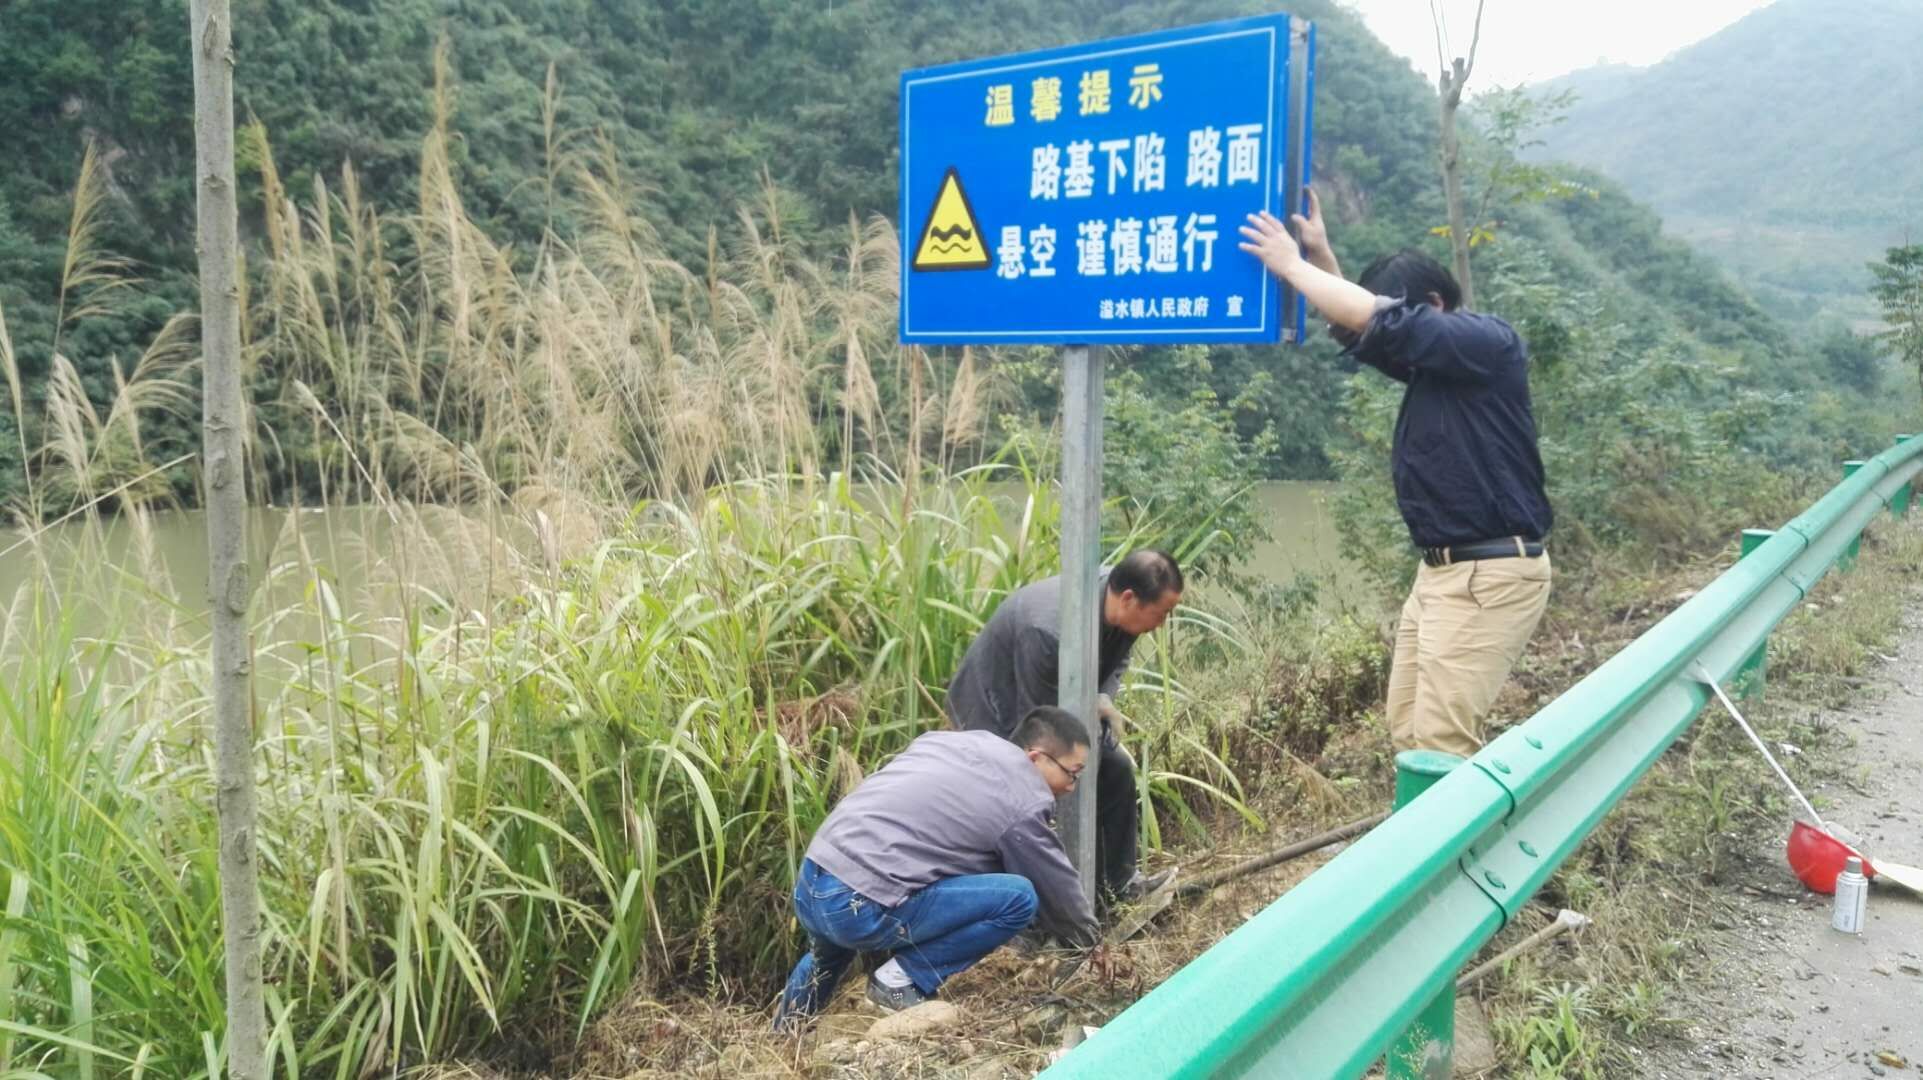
x=894, y=998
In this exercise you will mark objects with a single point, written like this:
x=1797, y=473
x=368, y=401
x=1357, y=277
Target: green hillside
x=584, y=299
x=1788, y=146
x=712, y=110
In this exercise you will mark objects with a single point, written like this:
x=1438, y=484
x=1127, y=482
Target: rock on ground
x=923, y=1019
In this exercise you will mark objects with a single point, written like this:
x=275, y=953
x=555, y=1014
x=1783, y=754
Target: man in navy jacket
x=1468, y=477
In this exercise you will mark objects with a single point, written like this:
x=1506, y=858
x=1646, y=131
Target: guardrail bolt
x=1748, y=681
x=1426, y=1049
x=1900, y=502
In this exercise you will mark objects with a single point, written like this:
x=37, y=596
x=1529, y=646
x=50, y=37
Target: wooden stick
x=1317, y=842
x=1566, y=920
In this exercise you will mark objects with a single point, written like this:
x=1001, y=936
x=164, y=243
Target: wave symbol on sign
x=952, y=238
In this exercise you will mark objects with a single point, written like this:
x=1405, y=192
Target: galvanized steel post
x=1847, y=561
x=1426, y=1049
x=1081, y=546
x=1900, y=502
x=1749, y=677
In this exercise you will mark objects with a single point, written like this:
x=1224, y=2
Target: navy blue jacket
x=1465, y=461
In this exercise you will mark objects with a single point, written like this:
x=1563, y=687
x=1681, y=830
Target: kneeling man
x=939, y=858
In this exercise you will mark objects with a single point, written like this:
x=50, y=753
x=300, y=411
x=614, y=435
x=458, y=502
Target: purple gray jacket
x=954, y=803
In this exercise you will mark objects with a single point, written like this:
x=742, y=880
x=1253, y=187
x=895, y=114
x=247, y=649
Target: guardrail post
x=1749, y=677
x=1847, y=561
x=1426, y=1049
x=1900, y=502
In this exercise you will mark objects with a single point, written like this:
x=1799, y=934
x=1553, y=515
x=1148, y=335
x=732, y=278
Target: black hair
x=1412, y=276
x=1149, y=573
x=1050, y=730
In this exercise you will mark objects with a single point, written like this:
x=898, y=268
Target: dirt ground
x=1013, y=1012
x=1794, y=998
x=1774, y=992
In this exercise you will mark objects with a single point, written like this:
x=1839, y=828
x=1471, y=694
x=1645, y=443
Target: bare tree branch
x=1450, y=81
x=1435, y=20
x=1475, y=39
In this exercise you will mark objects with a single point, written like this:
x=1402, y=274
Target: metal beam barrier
x=1318, y=983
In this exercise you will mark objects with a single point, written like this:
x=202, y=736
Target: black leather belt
x=1509, y=547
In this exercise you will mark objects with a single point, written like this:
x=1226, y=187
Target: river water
x=1303, y=537
x=116, y=565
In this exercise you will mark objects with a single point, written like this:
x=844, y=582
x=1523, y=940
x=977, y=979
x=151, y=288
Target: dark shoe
x=895, y=998
x=1031, y=943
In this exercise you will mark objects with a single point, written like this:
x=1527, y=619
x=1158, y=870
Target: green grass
x=672, y=559
x=497, y=820
x=1660, y=863
x=664, y=565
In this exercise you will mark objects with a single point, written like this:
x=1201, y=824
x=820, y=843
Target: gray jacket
x=954, y=803
x=1011, y=666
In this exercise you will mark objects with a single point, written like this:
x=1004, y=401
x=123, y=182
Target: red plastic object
x=1816, y=857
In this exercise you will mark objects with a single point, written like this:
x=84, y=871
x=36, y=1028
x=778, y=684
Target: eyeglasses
x=1074, y=774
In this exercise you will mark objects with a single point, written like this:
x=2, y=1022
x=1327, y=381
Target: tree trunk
x=223, y=460
x=1450, y=79
x=1452, y=181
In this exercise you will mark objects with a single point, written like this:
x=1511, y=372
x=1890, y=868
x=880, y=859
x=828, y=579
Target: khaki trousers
x=1461, y=632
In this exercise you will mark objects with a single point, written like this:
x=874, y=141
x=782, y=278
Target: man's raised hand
x=1266, y=238
x=1313, y=232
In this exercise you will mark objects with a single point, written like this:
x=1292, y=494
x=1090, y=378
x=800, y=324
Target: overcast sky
x=1529, y=40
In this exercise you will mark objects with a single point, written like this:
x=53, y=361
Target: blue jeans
x=937, y=932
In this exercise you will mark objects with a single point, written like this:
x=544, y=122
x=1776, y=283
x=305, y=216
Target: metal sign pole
x=1297, y=168
x=1088, y=196
x=1081, y=547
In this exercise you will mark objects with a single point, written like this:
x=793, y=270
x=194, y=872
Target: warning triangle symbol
x=952, y=239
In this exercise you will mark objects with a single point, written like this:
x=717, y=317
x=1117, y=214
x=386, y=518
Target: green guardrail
x=1321, y=982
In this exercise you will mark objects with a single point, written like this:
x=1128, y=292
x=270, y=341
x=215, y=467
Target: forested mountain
x=1789, y=145
x=783, y=111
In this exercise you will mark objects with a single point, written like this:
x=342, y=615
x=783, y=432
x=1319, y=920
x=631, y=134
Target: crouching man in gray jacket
x=939, y=858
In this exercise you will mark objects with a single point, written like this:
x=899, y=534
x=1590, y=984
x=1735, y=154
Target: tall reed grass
x=489, y=818
x=714, y=547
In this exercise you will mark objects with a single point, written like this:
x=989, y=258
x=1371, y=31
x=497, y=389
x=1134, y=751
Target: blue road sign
x=1091, y=194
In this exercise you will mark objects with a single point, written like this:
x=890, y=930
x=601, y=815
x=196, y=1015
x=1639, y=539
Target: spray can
x=1852, y=895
